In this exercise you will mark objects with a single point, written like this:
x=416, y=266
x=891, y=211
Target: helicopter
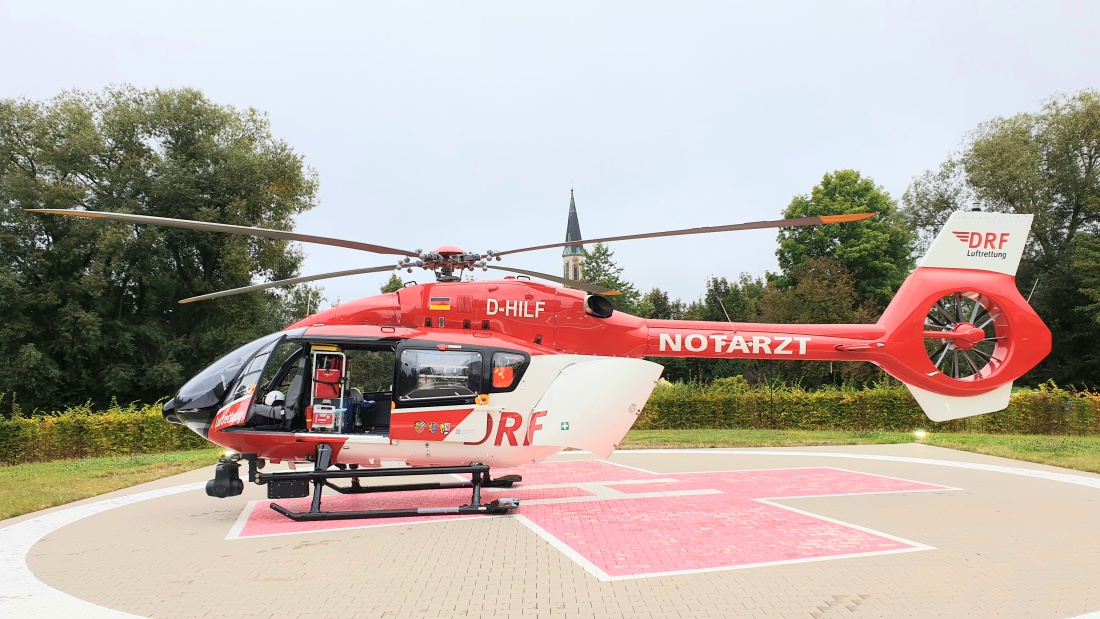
x=455, y=377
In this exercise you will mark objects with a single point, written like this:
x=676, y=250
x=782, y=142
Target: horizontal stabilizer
x=947, y=407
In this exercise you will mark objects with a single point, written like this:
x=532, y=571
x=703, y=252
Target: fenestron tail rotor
x=961, y=335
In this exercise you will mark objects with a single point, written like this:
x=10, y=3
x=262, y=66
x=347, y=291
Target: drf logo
x=978, y=240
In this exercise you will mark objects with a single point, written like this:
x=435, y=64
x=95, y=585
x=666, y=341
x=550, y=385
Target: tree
x=1086, y=261
x=1046, y=164
x=656, y=304
x=825, y=293
x=724, y=301
x=600, y=269
x=301, y=301
x=393, y=284
x=88, y=309
x=878, y=252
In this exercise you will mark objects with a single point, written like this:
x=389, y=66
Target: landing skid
x=295, y=484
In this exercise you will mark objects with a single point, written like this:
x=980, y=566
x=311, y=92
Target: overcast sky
x=467, y=123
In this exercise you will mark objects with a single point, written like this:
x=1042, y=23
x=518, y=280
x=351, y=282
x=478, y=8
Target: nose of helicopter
x=169, y=412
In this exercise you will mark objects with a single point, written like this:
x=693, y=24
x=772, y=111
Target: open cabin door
x=592, y=404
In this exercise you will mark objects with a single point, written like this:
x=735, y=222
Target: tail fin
x=959, y=330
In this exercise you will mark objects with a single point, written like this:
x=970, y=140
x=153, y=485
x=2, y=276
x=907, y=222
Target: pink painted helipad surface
x=619, y=522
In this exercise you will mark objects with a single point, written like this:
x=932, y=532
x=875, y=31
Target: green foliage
x=734, y=404
x=1086, y=262
x=600, y=269
x=371, y=370
x=81, y=432
x=656, y=304
x=88, y=309
x=393, y=284
x=725, y=301
x=1046, y=164
x=877, y=251
x=301, y=301
x=824, y=293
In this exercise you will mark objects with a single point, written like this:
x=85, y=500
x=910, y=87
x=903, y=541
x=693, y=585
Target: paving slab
x=856, y=531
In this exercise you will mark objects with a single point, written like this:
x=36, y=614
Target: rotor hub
x=968, y=336
x=444, y=261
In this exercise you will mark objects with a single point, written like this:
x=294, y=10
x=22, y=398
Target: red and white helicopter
x=457, y=377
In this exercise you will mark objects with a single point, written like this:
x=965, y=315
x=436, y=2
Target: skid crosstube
x=501, y=506
x=296, y=481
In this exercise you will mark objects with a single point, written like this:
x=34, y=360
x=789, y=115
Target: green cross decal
x=565, y=425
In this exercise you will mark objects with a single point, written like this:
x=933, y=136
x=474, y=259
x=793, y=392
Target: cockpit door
x=592, y=404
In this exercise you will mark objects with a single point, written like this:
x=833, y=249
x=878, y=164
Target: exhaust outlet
x=600, y=307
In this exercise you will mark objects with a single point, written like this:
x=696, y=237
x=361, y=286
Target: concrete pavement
x=861, y=531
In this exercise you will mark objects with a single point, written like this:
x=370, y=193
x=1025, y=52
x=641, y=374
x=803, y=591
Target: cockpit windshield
x=208, y=387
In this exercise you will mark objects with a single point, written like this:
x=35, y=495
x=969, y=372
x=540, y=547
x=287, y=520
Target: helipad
x=874, y=531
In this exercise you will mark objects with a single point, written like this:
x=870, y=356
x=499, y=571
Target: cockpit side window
x=209, y=386
x=277, y=374
x=250, y=376
x=431, y=375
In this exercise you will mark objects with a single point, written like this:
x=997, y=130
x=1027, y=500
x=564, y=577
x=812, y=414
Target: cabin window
x=506, y=366
x=438, y=375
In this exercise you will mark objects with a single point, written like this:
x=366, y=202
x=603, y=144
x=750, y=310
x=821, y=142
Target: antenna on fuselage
x=1032, y=290
x=724, y=310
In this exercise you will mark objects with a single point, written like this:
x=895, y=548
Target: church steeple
x=573, y=230
x=572, y=256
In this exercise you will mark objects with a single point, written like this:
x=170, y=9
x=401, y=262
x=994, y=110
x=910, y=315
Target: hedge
x=727, y=403
x=80, y=432
x=731, y=403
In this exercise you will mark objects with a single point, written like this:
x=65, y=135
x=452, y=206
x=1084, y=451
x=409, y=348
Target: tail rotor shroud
x=965, y=334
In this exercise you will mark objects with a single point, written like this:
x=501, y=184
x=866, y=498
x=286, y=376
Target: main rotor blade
x=231, y=229
x=755, y=225
x=585, y=286
x=286, y=282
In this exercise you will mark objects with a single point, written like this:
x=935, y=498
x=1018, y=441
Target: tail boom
x=958, y=332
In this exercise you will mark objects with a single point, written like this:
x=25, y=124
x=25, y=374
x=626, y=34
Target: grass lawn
x=683, y=439
x=1073, y=452
x=31, y=487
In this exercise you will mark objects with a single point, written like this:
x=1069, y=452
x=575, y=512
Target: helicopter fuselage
x=581, y=383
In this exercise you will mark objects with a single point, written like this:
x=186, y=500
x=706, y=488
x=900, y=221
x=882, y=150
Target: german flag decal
x=439, y=303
